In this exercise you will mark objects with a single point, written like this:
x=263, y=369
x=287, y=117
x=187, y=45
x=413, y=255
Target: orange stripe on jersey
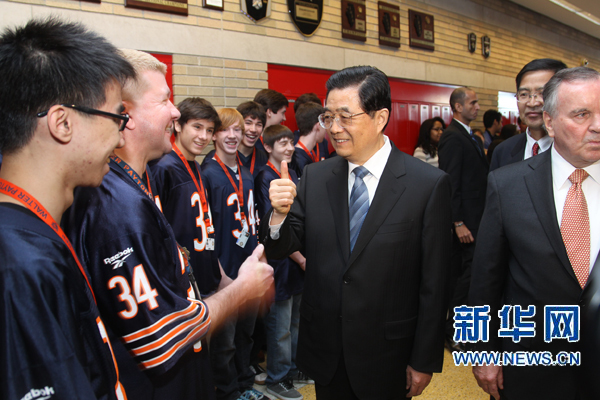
x=179, y=329
x=158, y=325
x=194, y=335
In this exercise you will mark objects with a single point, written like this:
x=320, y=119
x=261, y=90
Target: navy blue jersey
x=181, y=204
x=300, y=159
x=260, y=159
x=53, y=342
x=227, y=213
x=323, y=146
x=289, y=277
x=141, y=284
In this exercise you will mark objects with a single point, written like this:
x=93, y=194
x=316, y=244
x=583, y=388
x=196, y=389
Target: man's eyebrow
x=577, y=111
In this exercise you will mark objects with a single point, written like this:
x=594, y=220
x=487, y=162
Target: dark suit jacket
x=467, y=166
x=510, y=151
x=590, y=334
x=384, y=305
x=520, y=259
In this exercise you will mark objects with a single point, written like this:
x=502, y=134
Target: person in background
x=429, y=136
x=507, y=132
x=492, y=120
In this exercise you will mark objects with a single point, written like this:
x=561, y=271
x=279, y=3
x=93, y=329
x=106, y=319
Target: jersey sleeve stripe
x=164, y=339
x=158, y=325
x=194, y=335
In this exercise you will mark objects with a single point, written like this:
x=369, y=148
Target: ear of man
x=60, y=122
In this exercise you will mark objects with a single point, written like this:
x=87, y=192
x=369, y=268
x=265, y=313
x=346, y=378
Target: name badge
x=210, y=244
x=244, y=236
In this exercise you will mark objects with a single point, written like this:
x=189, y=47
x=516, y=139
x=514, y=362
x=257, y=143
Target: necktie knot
x=578, y=176
x=535, y=149
x=360, y=172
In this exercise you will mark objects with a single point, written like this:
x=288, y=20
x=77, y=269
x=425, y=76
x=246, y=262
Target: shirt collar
x=376, y=164
x=545, y=142
x=467, y=127
x=562, y=169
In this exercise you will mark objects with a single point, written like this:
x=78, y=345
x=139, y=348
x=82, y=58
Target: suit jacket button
x=347, y=279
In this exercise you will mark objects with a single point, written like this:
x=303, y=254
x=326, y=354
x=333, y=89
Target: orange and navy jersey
x=254, y=162
x=229, y=212
x=182, y=206
x=137, y=272
x=53, y=341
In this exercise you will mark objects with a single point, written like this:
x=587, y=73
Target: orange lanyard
x=199, y=186
x=239, y=190
x=134, y=176
x=251, y=162
x=310, y=153
x=273, y=168
x=32, y=204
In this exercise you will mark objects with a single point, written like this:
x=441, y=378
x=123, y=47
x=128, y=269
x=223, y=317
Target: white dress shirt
x=561, y=170
x=544, y=144
x=375, y=165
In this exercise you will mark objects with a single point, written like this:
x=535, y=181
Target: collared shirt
x=561, y=170
x=467, y=127
x=544, y=143
x=375, y=165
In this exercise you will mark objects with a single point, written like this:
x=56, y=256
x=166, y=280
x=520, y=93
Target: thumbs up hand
x=281, y=193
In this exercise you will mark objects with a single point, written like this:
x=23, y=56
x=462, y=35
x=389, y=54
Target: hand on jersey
x=281, y=193
x=256, y=274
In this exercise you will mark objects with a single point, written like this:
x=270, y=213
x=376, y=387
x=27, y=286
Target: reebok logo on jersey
x=119, y=259
x=39, y=394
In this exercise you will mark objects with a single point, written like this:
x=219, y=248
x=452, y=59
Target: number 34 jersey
x=136, y=270
x=182, y=206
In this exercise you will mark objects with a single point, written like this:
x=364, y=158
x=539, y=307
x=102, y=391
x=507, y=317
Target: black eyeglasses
x=124, y=118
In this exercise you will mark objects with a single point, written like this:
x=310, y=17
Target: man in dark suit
x=462, y=157
x=530, y=84
x=539, y=239
x=374, y=302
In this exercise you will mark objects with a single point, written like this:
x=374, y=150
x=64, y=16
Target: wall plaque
x=389, y=24
x=213, y=4
x=354, y=20
x=472, y=42
x=485, y=46
x=256, y=10
x=420, y=30
x=306, y=15
x=167, y=6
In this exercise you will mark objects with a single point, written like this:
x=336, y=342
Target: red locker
x=412, y=102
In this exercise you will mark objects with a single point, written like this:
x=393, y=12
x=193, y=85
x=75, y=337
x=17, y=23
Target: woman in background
x=429, y=136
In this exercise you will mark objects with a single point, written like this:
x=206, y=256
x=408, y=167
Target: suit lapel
x=337, y=190
x=470, y=139
x=389, y=190
x=539, y=185
x=518, y=151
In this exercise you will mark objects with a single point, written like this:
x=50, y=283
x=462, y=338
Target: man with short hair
x=539, y=238
x=311, y=136
x=275, y=105
x=255, y=119
x=139, y=273
x=321, y=151
x=492, y=120
x=60, y=123
x=374, y=225
x=530, y=85
x=462, y=157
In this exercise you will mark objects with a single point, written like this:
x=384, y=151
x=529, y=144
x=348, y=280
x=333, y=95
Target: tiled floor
x=454, y=383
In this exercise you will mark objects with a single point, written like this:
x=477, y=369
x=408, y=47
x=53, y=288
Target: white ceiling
x=558, y=13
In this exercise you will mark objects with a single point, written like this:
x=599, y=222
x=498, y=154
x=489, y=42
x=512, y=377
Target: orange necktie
x=575, y=227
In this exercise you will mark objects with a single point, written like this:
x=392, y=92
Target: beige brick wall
x=223, y=56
